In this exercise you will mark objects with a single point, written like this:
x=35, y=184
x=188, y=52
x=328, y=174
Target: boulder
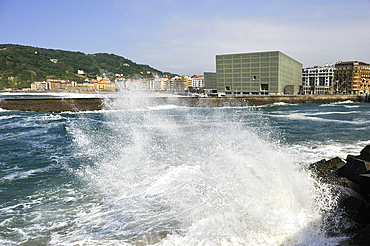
x=364, y=182
x=354, y=168
x=356, y=210
x=331, y=164
x=351, y=184
x=317, y=165
x=361, y=238
x=365, y=154
x=328, y=171
x=350, y=215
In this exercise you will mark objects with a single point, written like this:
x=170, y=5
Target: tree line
x=21, y=65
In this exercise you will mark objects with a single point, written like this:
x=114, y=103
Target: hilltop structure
x=254, y=73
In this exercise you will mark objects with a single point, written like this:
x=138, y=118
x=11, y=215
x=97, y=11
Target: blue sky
x=183, y=37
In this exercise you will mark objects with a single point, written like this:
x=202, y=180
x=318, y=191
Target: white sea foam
x=7, y=117
x=52, y=117
x=337, y=103
x=160, y=107
x=190, y=178
x=25, y=174
x=282, y=104
x=310, y=116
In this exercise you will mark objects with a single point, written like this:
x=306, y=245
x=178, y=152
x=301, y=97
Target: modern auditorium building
x=254, y=73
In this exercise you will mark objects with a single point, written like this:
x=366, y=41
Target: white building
x=318, y=80
x=197, y=81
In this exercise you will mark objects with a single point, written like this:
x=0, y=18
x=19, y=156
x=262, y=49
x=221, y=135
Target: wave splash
x=190, y=176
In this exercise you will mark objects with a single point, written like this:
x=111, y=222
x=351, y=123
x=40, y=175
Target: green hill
x=21, y=65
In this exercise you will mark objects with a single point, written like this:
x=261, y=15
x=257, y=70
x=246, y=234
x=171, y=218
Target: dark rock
x=354, y=168
x=317, y=165
x=365, y=154
x=351, y=184
x=328, y=171
x=331, y=164
x=346, y=218
x=361, y=238
x=340, y=168
x=356, y=209
x=364, y=181
x=346, y=192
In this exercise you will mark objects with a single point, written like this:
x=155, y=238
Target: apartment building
x=318, y=79
x=187, y=82
x=175, y=84
x=351, y=77
x=197, y=81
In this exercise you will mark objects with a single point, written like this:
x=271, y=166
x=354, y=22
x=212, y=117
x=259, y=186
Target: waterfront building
x=157, y=84
x=58, y=84
x=40, y=86
x=164, y=83
x=352, y=77
x=79, y=87
x=197, y=81
x=318, y=79
x=187, y=82
x=175, y=84
x=211, y=83
x=254, y=73
x=106, y=85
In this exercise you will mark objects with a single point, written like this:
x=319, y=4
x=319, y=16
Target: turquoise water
x=169, y=175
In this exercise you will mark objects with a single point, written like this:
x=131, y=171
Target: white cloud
x=192, y=44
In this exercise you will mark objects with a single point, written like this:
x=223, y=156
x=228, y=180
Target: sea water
x=139, y=174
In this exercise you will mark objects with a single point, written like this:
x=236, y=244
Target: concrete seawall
x=56, y=105
x=90, y=104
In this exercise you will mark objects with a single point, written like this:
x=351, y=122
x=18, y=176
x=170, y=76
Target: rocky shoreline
x=351, y=181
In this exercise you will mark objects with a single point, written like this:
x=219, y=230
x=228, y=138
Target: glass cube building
x=254, y=73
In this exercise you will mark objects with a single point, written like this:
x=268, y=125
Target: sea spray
x=190, y=176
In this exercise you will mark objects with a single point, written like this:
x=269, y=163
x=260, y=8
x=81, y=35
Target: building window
x=254, y=77
x=264, y=87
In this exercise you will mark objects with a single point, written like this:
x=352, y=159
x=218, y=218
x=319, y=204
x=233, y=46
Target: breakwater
x=351, y=181
x=90, y=104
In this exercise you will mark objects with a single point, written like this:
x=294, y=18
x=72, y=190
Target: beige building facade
x=351, y=77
